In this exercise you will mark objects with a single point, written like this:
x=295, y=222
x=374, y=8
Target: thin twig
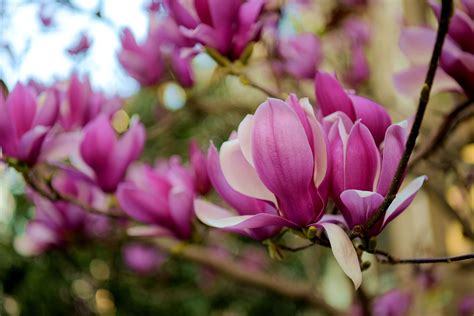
x=388, y=259
x=440, y=134
x=54, y=195
x=446, y=11
x=296, y=290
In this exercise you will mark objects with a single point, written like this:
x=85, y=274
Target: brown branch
x=438, y=137
x=296, y=290
x=446, y=11
x=384, y=257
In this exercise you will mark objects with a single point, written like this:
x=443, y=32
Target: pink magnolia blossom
x=279, y=161
x=105, y=155
x=358, y=33
x=161, y=197
x=25, y=121
x=456, y=66
x=80, y=103
x=392, y=303
x=164, y=45
x=58, y=223
x=227, y=26
x=81, y=46
x=362, y=173
x=331, y=98
x=141, y=258
x=302, y=54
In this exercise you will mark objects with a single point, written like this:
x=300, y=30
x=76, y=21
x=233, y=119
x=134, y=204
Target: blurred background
x=37, y=42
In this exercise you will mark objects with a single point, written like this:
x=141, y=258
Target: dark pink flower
x=301, y=54
x=25, y=121
x=161, y=197
x=227, y=26
x=108, y=156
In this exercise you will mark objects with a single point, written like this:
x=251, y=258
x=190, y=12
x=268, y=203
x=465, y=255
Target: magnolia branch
x=438, y=137
x=384, y=257
x=277, y=284
x=446, y=11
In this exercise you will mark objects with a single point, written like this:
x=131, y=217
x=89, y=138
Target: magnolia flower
x=361, y=173
x=302, y=55
x=358, y=33
x=331, y=98
x=56, y=223
x=392, y=303
x=456, y=66
x=242, y=204
x=25, y=121
x=107, y=157
x=146, y=62
x=141, y=258
x=280, y=158
x=227, y=26
x=161, y=197
x=81, y=46
x=198, y=164
x=80, y=104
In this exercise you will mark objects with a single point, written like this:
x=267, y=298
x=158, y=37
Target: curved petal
x=344, y=252
x=98, y=143
x=284, y=160
x=141, y=205
x=29, y=147
x=215, y=216
x=22, y=107
x=48, y=108
x=373, y=115
x=417, y=44
x=243, y=204
x=394, y=146
x=181, y=210
x=410, y=81
x=331, y=96
x=61, y=146
x=244, y=133
x=360, y=206
x=403, y=199
x=240, y=175
x=362, y=160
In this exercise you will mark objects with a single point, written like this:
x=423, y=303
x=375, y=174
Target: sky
x=41, y=52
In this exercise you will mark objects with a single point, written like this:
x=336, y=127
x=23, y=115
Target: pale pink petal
x=344, y=252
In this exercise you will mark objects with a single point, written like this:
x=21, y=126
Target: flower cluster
x=286, y=162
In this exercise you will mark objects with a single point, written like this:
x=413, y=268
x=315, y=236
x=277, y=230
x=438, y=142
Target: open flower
x=331, y=98
x=362, y=174
x=227, y=26
x=25, y=121
x=161, y=197
x=107, y=157
x=279, y=161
